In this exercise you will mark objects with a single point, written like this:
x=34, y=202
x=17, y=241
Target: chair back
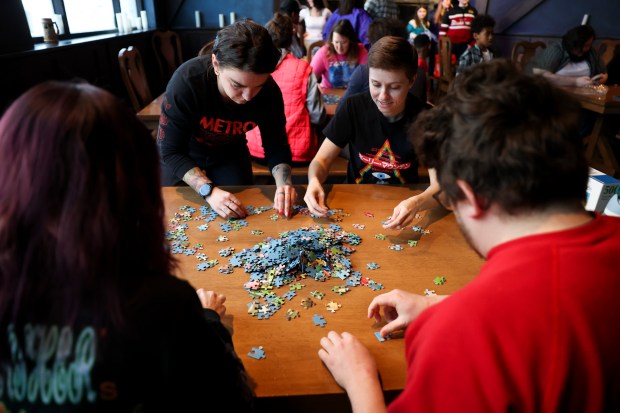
x=524, y=51
x=312, y=49
x=607, y=49
x=446, y=69
x=167, y=48
x=134, y=77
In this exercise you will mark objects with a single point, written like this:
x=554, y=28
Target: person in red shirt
x=536, y=330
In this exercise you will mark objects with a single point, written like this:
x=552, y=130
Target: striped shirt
x=456, y=24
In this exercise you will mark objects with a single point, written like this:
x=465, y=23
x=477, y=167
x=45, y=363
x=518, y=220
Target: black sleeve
x=341, y=128
x=179, y=114
x=272, y=123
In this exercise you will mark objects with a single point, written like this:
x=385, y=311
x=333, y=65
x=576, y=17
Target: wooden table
x=292, y=367
x=330, y=110
x=149, y=115
x=602, y=105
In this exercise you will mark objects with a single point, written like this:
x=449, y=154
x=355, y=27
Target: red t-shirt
x=537, y=331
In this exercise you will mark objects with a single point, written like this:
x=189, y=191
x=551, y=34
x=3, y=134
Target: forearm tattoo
x=282, y=174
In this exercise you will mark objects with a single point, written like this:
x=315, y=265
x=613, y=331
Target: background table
x=603, y=106
x=292, y=366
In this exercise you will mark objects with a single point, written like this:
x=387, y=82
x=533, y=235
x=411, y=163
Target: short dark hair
x=280, y=28
x=386, y=26
x=576, y=38
x=289, y=6
x=244, y=45
x=513, y=138
x=393, y=53
x=344, y=28
x=421, y=41
x=81, y=212
x=481, y=22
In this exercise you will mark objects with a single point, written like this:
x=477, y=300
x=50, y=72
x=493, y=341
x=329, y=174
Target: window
x=81, y=16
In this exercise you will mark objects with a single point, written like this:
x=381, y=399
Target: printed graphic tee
x=379, y=150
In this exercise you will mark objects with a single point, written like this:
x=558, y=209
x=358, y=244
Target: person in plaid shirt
x=381, y=8
x=482, y=29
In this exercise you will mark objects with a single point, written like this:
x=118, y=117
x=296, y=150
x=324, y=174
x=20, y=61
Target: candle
x=585, y=19
x=127, y=23
x=197, y=14
x=119, y=23
x=233, y=18
x=221, y=20
x=145, y=22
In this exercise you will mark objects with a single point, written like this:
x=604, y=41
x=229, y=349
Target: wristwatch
x=205, y=190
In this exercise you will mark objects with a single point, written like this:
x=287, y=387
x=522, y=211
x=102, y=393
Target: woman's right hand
x=212, y=301
x=315, y=199
x=226, y=204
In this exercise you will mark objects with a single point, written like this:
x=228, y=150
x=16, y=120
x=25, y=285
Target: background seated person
x=353, y=11
x=91, y=319
x=303, y=104
x=482, y=30
x=571, y=62
x=530, y=333
x=359, y=79
x=374, y=125
x=334, y=62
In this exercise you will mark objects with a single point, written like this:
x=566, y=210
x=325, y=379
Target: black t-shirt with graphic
x=198, y=127
x=379, y=150
x=171, y=355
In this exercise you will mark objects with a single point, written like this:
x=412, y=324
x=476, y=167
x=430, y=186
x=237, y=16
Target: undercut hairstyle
x=393, y=53
x=81, y=212
x=244, y=45
x=576, y=38
x=513, y=138
x=481, y=22
x=386, y=26
x=345, y=28
x=280, y=28
x=347, y=6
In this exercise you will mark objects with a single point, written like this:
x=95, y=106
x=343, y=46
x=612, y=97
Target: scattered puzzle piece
x=291, y=314
x=412, y=243
x=307, y=303
x=439, y=280
x=319, y=320
x=380, y=237
x=257, y=353
x=429, y=292
x=332, y=306
x=382, y=339
x=317, y=294
x=373, y=266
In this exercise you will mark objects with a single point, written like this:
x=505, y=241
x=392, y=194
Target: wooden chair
x=312, y=49
x=167, y=48
x=607, y=49
x=446, y=68
x=134, y=77
x=524, y=51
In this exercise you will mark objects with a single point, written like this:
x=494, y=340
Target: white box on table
x=601, y=188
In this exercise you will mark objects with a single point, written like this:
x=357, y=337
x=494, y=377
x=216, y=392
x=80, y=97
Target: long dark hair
x=81, y=213
x=347, y=6
x=244, y=45
x=344, y=28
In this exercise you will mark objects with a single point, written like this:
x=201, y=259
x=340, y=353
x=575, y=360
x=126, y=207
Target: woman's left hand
x=403, y=214
x=285, y=199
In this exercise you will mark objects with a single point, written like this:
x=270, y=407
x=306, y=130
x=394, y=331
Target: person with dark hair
x=353, y=11
x=419, y=24
x=210, y=103
x=314, y=18
x=571, y=62
x=334, y=62
x=482, y=29
x=381, y=9
x=422, y=44
x=90, y=317
x=530, y=333
x=291, y=9
x=303, y=103
x=374, y=126
x=456, y=24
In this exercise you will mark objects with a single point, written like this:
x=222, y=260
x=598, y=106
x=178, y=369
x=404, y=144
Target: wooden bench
x=339, y=168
